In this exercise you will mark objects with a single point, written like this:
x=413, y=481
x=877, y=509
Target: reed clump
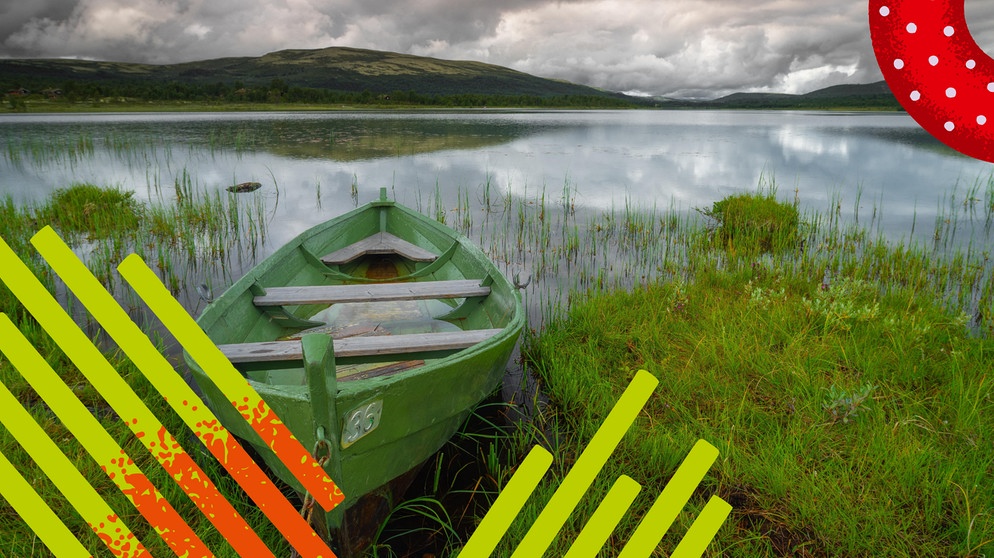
x=91, y=210
x=754, y=223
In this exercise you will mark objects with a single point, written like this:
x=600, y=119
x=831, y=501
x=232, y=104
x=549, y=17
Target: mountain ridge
x=332, y=68
x=308, y=75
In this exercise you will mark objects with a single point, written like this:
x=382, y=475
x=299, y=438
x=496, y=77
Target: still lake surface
x=314, y=166
x=678, y=159
x=881, y=169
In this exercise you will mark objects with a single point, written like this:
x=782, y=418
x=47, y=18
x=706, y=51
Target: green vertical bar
x=590, y=462
x=36, y=513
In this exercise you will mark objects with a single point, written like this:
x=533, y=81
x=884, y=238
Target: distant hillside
x=872, y=96
x=331, y=69
x=855, y=96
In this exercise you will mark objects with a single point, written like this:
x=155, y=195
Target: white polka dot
x=948, y=31
x=990, y=87
x=898, y=63
x=912, y=28
x=950, y=92
x=933, y=60
x=949, y=126
x=915, y=95
x=884, y=11
x=971, y=64
x=981, y=120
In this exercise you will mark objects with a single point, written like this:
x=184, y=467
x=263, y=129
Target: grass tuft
x=754, y=223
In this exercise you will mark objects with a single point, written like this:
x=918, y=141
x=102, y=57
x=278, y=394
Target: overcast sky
x=696, y=48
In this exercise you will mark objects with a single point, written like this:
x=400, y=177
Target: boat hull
x=380, y=427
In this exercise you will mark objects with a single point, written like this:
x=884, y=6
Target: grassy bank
x=842, y=376
x=844, y=381
x=104, y=225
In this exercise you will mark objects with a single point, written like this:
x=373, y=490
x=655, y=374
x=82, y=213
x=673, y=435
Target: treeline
x=278, y=91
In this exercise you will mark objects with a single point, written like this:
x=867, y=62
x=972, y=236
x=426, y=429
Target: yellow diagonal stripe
x=674, y=497
x=704, y=529
x=36, y=513
x=125, y=474
x=506, y=507
x=605, y=518
x=115, y=391
x=66, y=477
x=163, y=377
x=590, y=462
x=230, y=381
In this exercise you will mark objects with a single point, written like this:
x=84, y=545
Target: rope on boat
x=321, y=452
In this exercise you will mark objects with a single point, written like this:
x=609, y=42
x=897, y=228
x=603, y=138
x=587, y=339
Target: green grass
x=844, y=382
x=843, y=379
x=850, y=422
x=91, y=210
x=105, y=225
x=751, y=224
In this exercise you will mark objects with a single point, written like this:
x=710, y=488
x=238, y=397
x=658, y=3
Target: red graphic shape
x=937, y=71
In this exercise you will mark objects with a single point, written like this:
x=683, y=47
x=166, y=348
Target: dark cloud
x=677, y=47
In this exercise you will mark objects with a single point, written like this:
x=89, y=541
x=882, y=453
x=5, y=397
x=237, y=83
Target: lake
x=681, y=159
x=881, y=169
x=313, y=166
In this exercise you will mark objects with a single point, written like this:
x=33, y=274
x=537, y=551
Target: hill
x=875, y=95
x=338, y=69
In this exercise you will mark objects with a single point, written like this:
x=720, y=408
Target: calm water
x=314, y=166
x=681, y=159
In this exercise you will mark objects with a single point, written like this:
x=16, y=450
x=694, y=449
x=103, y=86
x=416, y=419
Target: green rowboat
x=378, y=331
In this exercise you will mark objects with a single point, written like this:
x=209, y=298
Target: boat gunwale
x=512, y=328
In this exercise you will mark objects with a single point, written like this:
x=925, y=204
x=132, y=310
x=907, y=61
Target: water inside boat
x=352, y=319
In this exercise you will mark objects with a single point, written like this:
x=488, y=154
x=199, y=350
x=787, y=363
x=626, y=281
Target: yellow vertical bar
x=36, y=513
x=668, y=504
x=605, y=518
x=508, y=504
x=590, y=462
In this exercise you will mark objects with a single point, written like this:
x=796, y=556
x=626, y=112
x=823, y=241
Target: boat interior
x=385, y=311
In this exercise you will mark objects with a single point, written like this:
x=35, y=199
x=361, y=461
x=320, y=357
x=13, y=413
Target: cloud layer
x=685, y=48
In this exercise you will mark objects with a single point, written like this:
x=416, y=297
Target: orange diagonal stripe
x=75, y=344
x=234, y=386
x=125, y=474
x=171, y=386
x=111, y=530
x=194, y=482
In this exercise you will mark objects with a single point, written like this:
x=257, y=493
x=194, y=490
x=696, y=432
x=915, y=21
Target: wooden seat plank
x=272, y=351
x=330, y=294
x=379, y=243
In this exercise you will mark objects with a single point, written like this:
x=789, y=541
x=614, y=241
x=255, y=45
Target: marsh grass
x=840, y=354
x=843, y=376
x=850, y=421
x=751, y=224
x=104, y=225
